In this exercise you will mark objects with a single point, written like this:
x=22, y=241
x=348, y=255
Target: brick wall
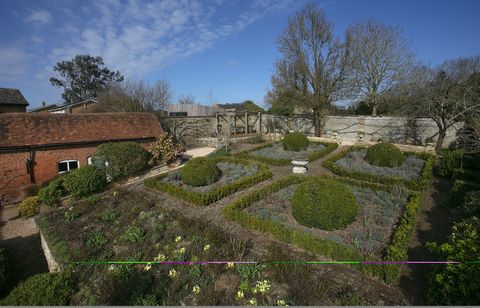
x=14, y=179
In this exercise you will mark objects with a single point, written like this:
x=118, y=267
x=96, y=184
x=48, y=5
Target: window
x=67, y=165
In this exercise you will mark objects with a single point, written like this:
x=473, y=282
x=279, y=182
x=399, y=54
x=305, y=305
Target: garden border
x=415, y=184
x=329, y=147
x=396, y=250
x=215, y=194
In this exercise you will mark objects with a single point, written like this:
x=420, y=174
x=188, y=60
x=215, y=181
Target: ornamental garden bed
x=235, y=174
x=150, y=244
x=274, y=154
x=415, y=171
x=381, y=229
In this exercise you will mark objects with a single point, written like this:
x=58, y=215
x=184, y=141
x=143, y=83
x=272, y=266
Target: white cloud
x=40, y=16
x=140, y=37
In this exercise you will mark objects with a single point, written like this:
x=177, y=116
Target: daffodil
x=230, y=265
x=252, y=302
x=196, y=289
x=178, y=239
x=115, y=193
x=172, y=273
x=261, y=287
x=281, y=302
x=147, y=267
x=240, y=294
x=111, y=267
x=206, y=247
x=160, y=258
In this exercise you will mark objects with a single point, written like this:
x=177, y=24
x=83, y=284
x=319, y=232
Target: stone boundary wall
x=346, y=129
x=53, y=265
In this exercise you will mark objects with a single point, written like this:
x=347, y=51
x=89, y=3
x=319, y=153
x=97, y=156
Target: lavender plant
x=411, y=168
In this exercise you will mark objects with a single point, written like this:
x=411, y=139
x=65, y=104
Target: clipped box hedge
x=206, y=198
x=397, y=249
x=329, y=147
x=415, y=184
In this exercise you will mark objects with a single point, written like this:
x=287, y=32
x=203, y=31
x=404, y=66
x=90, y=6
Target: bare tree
x=382, y=58
x=314, y=64
x=135, y=96
x=186, y=99
x=453, y=94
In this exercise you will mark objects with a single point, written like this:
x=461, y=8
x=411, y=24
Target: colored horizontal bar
x=276, y=262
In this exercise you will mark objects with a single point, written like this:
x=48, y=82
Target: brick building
x=36, y=147
x=79, y=107
x=12, y=100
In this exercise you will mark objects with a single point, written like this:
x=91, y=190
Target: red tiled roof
x=29, y=129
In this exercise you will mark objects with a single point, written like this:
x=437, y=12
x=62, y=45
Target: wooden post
x=246, y=122
x=259, y=124
x=234, y=123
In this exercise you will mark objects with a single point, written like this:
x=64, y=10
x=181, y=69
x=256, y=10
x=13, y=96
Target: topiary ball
x=384, y=155
x=325, y=204
x=295, y=142
x=29, y=207
x=200, y=171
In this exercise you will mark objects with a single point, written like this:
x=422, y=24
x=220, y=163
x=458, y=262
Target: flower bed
x=128, y=249
x=274, y=154
x=382, y=231
x=415, y=172
x=237, y=174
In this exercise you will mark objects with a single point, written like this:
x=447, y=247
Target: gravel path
x=21, y=240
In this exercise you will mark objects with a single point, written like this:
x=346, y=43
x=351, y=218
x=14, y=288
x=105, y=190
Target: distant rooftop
x=10, y=96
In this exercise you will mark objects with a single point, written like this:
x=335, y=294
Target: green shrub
x=397, y=249
x=50, y=193
x=28, y=207
x=415, y=184
x=200, y=171
x=471, y=206
x=48, y=289
x=465, y=174
x=459, y=190
x=85, y=181
x=457, y=284
x=3, y=270
x=206, y=198
x=384, y=155
x=324, y=203
x=295, y=142
x=121, y=159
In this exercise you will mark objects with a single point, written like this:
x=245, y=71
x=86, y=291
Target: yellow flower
x=111, y=267
x=147, y=267
x=161, y=257
x=196, y=289
x=230, y=265
x=252, y=302
x=240, y=295
x=182, y=250
x=115, y=193
x=157, y=245
x=178, y=239
x=261, y=287
x=206, y=247
x=281, y=302
x=172, y=273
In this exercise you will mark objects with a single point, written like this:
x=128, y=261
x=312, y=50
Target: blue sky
x=214, y=50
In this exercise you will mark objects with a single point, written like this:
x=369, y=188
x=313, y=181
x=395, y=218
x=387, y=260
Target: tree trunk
x=374, y=110
x=441, y=137
x=317, y=122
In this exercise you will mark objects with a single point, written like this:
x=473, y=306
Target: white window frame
x=90, y=160
x=68, y=161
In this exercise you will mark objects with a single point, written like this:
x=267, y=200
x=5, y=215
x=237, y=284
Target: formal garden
x=149, y=243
